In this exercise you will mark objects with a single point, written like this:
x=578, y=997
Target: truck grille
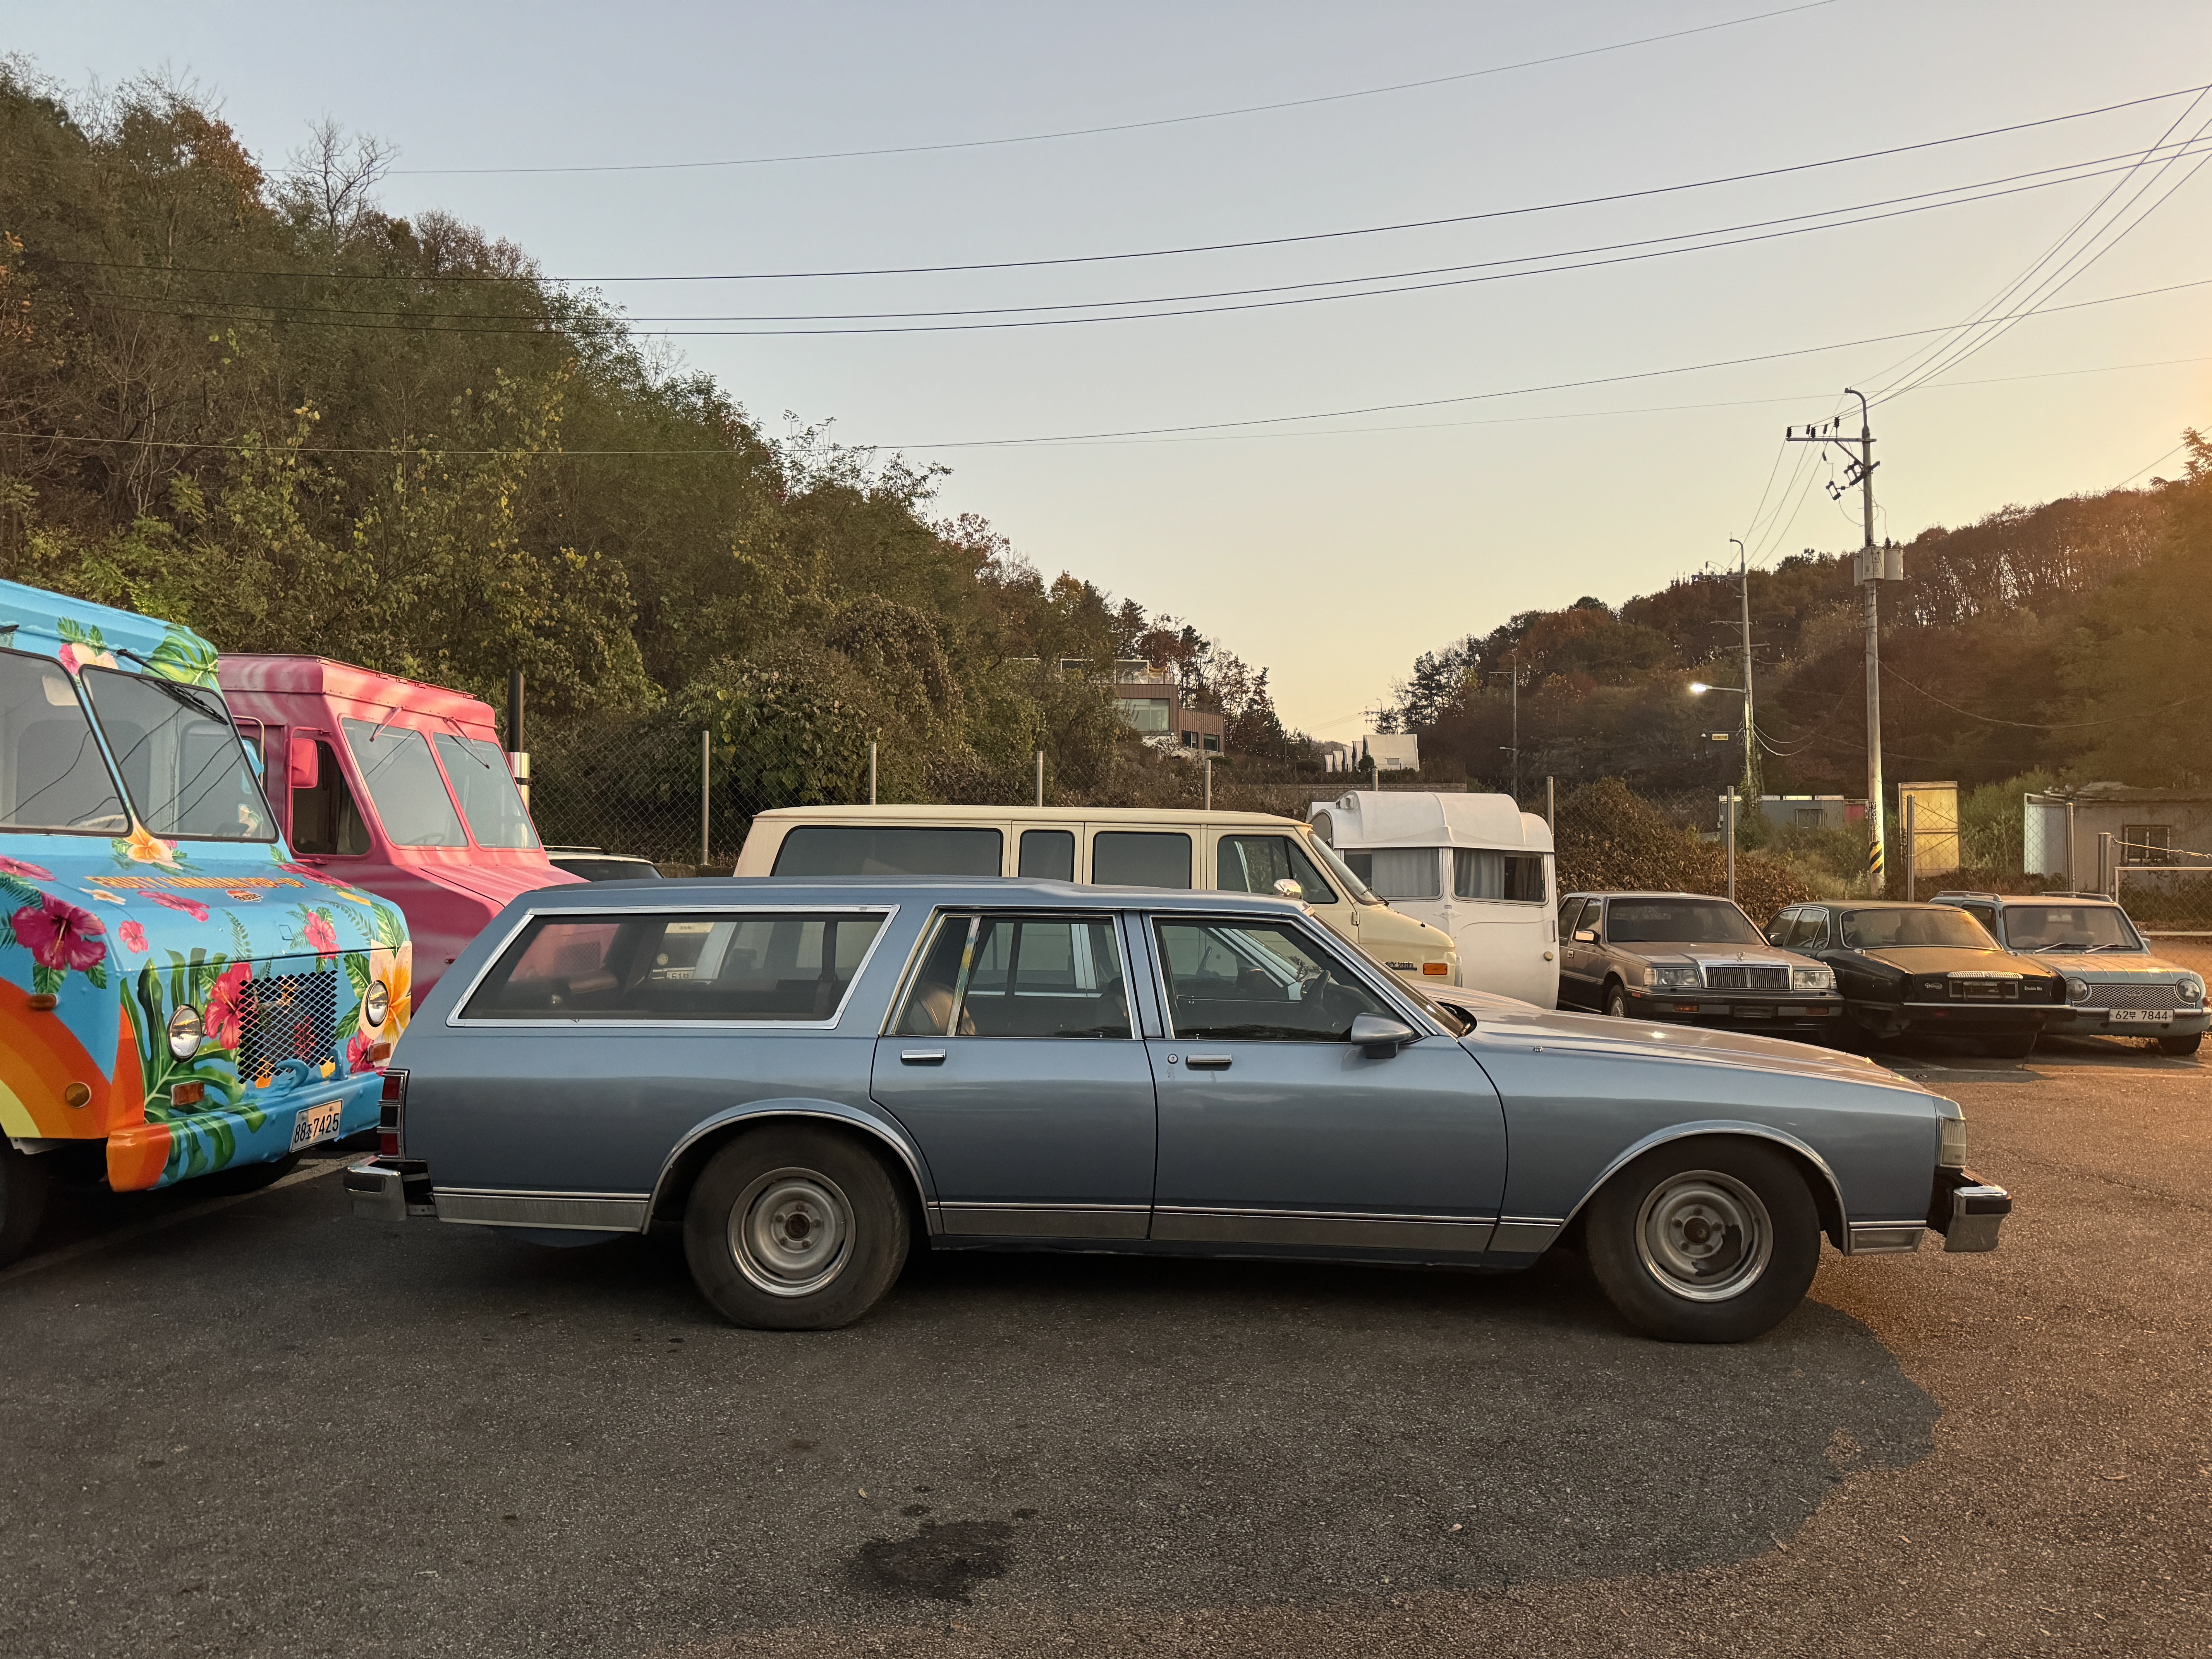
x=1985, y=990
x=2132, y=996
x=1740, y=978
x=287, y=1017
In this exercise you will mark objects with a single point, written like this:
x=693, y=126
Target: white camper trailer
x=1474, y=865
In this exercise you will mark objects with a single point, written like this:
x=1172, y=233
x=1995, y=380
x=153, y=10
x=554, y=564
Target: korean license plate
x=2142, y=1017
x=316, y=1123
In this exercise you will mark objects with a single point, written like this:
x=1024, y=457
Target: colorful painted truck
x=396, y=787
x=178, y=996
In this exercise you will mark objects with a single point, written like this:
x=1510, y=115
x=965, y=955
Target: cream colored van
x=1112, y=847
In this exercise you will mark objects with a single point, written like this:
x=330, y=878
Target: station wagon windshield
x=2069, y=927
x=52, y=775
x=1678, y=921
x=1881, y=930
x=181, y=761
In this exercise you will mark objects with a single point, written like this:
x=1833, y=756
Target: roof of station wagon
x=993, y=892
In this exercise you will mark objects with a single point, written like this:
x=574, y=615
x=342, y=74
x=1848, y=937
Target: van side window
x=867, y=849
x=1048, y=854
x=1140, y=858
x=1254, y=864
x=324, y=820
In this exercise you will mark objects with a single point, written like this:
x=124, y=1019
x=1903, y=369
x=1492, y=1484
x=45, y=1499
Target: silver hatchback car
x=2116, y=984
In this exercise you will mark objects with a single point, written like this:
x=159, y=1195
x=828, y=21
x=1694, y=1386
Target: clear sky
x=1331, y=550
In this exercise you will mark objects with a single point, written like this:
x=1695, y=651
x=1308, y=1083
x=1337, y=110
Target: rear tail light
x=392, y=1113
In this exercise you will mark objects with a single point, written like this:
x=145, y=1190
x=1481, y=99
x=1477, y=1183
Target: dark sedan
x=1928, y=970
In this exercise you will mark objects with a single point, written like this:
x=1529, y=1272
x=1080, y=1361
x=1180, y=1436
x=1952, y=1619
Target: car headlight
x=2191, y=988
x=1812, y=979
x=2077, y=990
x=1951, y=1142
x=1665, y=977
x=186, y=1032
x=376, y=1002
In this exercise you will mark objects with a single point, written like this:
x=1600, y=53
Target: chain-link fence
x=2166, y=899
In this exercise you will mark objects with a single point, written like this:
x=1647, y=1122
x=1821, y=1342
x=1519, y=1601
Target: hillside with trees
x=2039, y=645
x=244, y=397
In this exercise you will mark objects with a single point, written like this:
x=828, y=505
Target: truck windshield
x=181, y=761
x=489, y=801
x=403, y=784
x=52, y=775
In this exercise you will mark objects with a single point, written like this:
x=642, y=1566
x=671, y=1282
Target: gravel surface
x=267, y=1428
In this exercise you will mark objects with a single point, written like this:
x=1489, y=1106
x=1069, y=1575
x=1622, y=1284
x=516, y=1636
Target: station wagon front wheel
x=794, y=1229
x=1706, y=1241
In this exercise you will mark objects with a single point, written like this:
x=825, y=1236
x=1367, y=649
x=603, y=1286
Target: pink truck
x=393, y=787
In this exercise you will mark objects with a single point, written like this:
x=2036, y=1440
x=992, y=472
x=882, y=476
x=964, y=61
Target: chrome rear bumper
x=390, y=1188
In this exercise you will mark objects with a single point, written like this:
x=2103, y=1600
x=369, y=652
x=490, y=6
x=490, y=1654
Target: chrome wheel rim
x=1705, y=1237
x=791, y=1231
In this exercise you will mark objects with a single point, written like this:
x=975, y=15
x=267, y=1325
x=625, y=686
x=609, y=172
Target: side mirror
x=1381, y=1036
x=1774, y=935
x=1585, y=936
x=1290, y=890
x=305, y=765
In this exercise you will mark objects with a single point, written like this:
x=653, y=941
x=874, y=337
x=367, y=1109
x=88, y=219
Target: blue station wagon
x=810, y=1078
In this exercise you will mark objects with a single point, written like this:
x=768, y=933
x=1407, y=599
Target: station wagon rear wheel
x=1704, y=1241
x=794, y=1229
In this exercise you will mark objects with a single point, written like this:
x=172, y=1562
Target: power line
x=2160, y=461
x=1157, y=253
x=1010, y=318
x=1118, y=126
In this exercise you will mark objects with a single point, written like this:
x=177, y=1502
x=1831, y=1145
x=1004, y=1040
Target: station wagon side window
x=783, y=966
x=1256, y=982
x=1254, y=864
x=997, y=975
x=1048, y=854
x=1140, y=858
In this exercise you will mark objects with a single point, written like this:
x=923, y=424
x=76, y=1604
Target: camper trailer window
x=478, y=771
x=1404, y=872
x=1515, y=877
x=182, y=763
x=403, y=785
x=51, y=776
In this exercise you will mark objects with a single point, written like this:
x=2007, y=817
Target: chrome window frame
x=453, y=1021
x=928, y=936
x=1328, y=944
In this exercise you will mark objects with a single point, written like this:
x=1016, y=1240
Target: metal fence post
x=871, y=772
x=1039, y=777
x=1731, y=842
x=1551, y=804
x=1911, y=844
x=706, y=769
x=1206, y=762
x=2108, y=881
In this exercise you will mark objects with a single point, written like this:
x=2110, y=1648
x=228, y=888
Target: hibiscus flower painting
x=192, y=908
x=322, y=938
x=357, y=1060
x=25, y=872
x=221, y=1020
x=133, y=937
x=60, y=935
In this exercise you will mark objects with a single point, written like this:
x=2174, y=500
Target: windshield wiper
x=2067, y=944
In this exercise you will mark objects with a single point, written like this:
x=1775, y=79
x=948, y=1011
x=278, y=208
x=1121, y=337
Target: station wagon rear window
x=857, y=849
x=784, y=967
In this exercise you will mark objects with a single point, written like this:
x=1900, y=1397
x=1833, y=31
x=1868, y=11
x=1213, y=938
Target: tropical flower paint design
x=192, y=908
x=102, y=895
x=60, y=935
x=77, y=657
x=133, y=937
x=357, y=1053
x=221, y=1019
x=23, y=872
x=142, y=845
x=322, y=938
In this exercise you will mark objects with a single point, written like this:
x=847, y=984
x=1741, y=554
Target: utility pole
x=1751, y=789
x=1517, y=728
x=1875, y=565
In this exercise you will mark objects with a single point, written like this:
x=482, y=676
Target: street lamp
x=1698, y=689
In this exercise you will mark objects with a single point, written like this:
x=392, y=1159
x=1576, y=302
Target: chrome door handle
x=1207, y=1062
x=921, y=1056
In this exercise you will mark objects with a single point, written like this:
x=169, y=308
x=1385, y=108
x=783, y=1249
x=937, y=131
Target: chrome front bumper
x=390, y=1188
x=1967, y=1211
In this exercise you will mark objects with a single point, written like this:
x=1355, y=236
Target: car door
x=1578, y=956
x=1277, y=1131
x=1012, y=1061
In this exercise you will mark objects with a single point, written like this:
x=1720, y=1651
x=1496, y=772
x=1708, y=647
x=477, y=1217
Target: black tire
x=1616, y=999
x=1704, y=1241
x=23, y=1187
x=2012, y=1047
x=792, y=1228
x=2181, y=1045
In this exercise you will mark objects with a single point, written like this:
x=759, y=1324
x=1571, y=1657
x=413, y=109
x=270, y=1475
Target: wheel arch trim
x=680, y=1156
x=1828, y=1191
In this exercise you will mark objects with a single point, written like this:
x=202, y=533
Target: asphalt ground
x=256, y=1425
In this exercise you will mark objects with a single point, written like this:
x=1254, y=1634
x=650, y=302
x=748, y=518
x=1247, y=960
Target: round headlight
x=2077, y=990
x=186, y=1033
x=376, y=1002
x=2191, y=988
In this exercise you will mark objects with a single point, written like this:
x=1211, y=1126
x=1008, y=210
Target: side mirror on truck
x=305, y=764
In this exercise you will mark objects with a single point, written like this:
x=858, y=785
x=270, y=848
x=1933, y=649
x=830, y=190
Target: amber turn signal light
x=187, y=1094
x=1439, y=968
x=41, y=1002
